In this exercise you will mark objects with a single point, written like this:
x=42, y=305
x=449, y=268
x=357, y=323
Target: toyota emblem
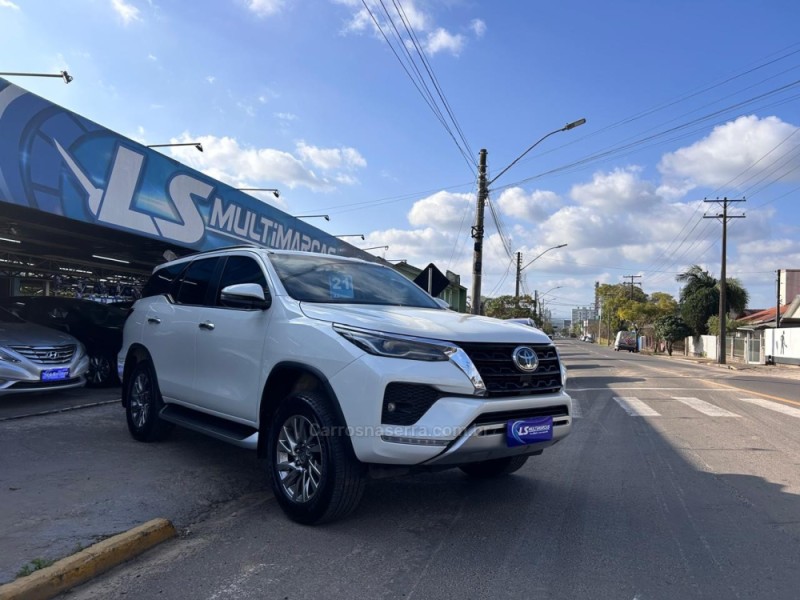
x=525, y=359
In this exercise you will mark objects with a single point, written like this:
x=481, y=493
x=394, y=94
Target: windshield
x=331, y=280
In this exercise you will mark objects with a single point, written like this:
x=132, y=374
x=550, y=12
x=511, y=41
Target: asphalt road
x=679, y=481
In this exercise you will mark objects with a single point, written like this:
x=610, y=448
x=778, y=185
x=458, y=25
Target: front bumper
x=25, y=376
x=487, y=441
x=458, y=428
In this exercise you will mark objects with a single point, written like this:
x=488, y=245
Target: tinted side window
x=195, y=281
x=241, y=269
x=160, y=281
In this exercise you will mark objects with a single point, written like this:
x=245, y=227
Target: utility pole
x=632, y=282
x=723, y=285
x=778, y=303
x=477, y=235
x=519, y=273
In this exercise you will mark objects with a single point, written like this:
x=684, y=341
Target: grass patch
x=33, y=566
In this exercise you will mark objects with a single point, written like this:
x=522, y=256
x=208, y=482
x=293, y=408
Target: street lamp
x=519, y=260
x=540, y=300
x=197, y=145
x=375, y=248
x=275, y=192
x=62, y=75
x=326, y=217
x=483, y=194
x=344, y=235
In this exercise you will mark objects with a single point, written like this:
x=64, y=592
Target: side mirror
x=245, y=295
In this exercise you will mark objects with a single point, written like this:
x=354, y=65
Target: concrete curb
x=86, y=564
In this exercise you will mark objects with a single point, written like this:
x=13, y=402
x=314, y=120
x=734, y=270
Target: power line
x=426, y=95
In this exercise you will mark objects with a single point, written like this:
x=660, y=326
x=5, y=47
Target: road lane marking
x=577, y=410
x=626, y=389
x=712, y=410
x=781, y=408
x=635, y=407
x=742, y=390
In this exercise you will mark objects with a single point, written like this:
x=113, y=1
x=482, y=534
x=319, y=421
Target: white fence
x=705, y=346
x=768, y=345
x=783, y=345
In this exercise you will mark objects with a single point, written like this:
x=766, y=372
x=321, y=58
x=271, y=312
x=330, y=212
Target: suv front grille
x=46, y=355
x=501, y=376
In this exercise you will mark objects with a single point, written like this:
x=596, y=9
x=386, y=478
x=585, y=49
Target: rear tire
x=143, y=405
x=313, y=472
x=101, y=371
x=495, y=467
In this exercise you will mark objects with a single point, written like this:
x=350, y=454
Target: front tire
x=143, y=405
x=314, y=475
x=495, y=467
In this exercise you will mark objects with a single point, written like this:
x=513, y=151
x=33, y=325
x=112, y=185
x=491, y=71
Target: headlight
x=395, y=346
x=412, y=348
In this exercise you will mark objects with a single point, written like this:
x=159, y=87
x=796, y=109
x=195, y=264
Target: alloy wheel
x=140, y=399
x=299, y=458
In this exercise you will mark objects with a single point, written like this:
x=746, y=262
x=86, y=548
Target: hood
x=425, y=322
x=30, y=334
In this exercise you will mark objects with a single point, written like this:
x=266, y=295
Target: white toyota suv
x=334, y=369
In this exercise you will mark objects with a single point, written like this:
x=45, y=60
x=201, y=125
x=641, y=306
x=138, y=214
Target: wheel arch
x=136, y=354
x=291, y=377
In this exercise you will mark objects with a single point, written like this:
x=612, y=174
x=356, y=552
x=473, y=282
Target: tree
x=699, y=298
x=507, y=307
x=671, y=328
x=713, y=325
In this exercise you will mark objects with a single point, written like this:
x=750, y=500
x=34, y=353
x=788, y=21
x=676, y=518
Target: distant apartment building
x=584, y=313
x=788, y=285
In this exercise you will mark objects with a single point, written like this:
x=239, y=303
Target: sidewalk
x=783, y=371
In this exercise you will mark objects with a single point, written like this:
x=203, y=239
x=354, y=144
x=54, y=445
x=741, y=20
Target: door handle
x=153, y=320
x=206, y=325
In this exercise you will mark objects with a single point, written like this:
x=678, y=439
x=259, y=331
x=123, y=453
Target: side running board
x=222, y=429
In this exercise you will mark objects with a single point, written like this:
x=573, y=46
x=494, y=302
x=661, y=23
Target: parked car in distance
x=626, y=340
x=334, y=369
x=98, y=326
x=36, y=359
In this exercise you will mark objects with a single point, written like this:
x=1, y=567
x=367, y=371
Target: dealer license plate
x=55, y=374
x=521, y=432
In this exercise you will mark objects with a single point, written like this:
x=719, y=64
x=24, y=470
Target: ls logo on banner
x=529, y=431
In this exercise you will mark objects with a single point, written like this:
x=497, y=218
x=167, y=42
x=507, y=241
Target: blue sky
x=683, y=99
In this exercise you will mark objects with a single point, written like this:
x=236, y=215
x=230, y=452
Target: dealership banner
x=56, y=161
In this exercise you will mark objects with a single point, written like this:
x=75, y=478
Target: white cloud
x=210, y=78
x=8, y=4
x=478, y=27
x=331, y=158
x=284, y=116
x=152, y=57
x=265, y=8
x=535, y=207
x=442, y=40
x=127, y=12
x=225, y=159
x=444, y=210
x=621, y=189
x=736, y=154
x=435, y=39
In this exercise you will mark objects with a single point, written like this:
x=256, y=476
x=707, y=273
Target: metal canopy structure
x=79, y=199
